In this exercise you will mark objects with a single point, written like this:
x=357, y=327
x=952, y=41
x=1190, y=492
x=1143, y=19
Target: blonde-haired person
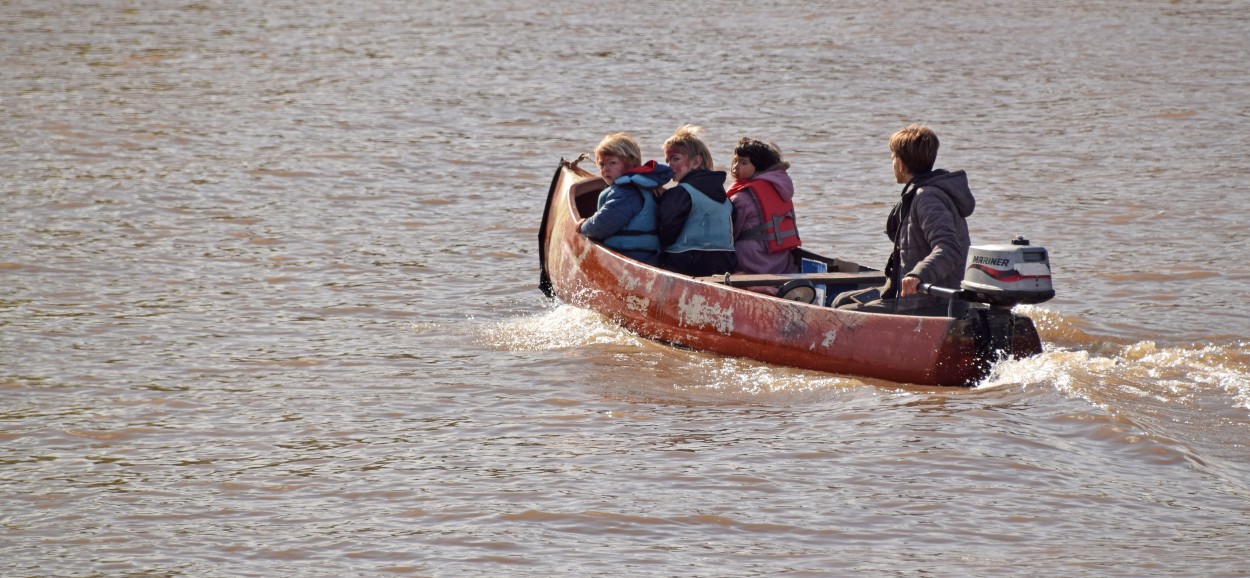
x=695, y=218
x=765, y=229
x=928, y=226
x=625, y=218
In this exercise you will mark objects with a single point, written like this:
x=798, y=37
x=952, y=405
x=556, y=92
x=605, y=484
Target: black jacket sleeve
x=673, y=210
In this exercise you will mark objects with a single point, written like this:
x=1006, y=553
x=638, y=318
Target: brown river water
x=269, y=303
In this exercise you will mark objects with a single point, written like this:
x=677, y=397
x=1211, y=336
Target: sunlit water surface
x=269, y=305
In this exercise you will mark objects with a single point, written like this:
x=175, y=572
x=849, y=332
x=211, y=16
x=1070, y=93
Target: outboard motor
x=997, y=278
x=1008, y=275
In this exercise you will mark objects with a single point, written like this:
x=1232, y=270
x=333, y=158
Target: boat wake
x=666, y=372
x=1192, y=398
x=1143, y=370
x=1107, y=373
x=1103, y=370
x=559, y=327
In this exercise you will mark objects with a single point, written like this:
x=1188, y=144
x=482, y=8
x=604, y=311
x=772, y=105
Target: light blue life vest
x=639, y=233
x=709, y=226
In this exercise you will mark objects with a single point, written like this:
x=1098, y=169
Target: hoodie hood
x=955, y=185
x=710, y=183
x=777, y=176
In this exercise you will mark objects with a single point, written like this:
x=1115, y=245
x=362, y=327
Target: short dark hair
x=917, y=146
x=761, y=154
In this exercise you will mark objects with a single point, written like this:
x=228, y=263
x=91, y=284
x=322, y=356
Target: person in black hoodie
x=695, y=218
x=928, y=226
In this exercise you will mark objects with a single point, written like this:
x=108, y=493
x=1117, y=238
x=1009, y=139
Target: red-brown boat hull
x=717, y=318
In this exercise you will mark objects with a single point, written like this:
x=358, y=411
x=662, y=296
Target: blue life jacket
x=640, y=232
x=709, y=226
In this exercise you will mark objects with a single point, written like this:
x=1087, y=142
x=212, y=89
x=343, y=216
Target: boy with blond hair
x=625, y=219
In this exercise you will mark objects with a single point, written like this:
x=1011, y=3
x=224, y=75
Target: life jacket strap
x=761, y=233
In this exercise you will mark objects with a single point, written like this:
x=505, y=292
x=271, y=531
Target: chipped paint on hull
x=919, y=325
x=696, y=311
x=630, y=283
x=580, y=256
x=635, y=303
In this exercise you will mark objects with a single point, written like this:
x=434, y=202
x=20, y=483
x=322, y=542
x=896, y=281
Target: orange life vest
x=777, y=225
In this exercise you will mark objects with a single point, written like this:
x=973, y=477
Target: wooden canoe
x=715, y=314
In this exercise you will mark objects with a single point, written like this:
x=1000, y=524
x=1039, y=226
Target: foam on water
x=558, y=327
x=681, y=372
